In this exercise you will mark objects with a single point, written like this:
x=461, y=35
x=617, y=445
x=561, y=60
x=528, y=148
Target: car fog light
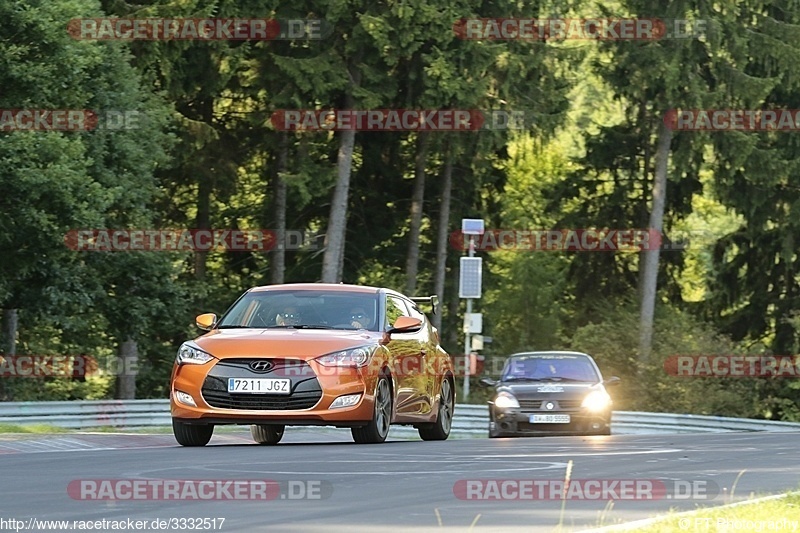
x=185, y=398
x=345, y=401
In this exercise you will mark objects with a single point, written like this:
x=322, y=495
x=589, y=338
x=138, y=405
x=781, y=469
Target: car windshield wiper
x=234, y=326
x=519, y=378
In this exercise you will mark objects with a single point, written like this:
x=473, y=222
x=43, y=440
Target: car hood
x=548, y=389
x=299, y=343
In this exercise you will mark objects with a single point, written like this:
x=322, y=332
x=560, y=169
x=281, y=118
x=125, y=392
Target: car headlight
x=192, y=355
x=354, y=357
x=506, y=400
x=597, y=401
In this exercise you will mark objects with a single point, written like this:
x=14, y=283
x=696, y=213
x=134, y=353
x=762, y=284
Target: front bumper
x=514, y=422
x=323, y=386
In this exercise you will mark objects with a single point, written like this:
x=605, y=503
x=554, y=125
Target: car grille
x=306, y=390
x=262, y=402
x=240, y=367
x=536, y=405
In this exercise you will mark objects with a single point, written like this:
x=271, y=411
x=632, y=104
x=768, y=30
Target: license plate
x=549, y=419
x=259, y=385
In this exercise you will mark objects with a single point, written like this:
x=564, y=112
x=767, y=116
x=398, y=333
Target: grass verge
x=35, y=428
x=772, y=513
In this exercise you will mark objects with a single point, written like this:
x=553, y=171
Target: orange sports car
x=314, y=354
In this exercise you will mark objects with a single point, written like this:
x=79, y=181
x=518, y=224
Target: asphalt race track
x=395, y=486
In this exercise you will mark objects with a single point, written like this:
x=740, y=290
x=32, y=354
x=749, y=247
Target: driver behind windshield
x=549, y=369
x=290, y=316
x=359, y=318
x=545, y=370
x=532, y=369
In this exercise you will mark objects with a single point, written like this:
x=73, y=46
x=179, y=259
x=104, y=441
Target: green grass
x=34, y=428
x=744, y=517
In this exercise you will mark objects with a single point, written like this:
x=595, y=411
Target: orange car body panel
x=401, y=355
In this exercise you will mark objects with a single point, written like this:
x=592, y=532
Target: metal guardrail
x=88, y=414
x=469, y=420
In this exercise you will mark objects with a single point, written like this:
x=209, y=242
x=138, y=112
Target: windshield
x=303, y=309
x=550, y=368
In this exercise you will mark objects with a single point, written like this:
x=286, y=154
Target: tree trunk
x=651, y=256
x=641, y=218
x=442, y=237
x=205, y=188
x=333, y=260
x=10, y=323
x=128, y=362
x=454, y=332
x=417, y=200
x=278, y=264
x=202, y=221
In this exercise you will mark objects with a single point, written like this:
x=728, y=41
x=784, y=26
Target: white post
x=467, y=335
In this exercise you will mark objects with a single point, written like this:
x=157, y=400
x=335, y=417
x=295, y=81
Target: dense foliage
x=383, y=205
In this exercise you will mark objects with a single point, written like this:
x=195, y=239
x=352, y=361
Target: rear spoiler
x=432, y=300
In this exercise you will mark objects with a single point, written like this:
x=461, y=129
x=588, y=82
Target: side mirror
x=205, y=321
x=487, y=382
x=405, y=324
x=613, y=381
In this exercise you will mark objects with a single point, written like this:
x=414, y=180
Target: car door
x=431, y=369
x=406, y=361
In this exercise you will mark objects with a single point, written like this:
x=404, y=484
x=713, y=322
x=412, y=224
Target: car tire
x=192, y=434
x=440, y=429
x=267, y=434
x=378, y=428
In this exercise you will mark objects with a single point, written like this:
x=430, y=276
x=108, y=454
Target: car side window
x=415, y=312
x=394, y=308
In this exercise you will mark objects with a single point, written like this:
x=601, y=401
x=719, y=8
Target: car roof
x=334, y=287
x=550, y=353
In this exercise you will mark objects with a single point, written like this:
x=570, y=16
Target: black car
x=550, y=393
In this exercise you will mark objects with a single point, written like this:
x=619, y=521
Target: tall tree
x=755, y=295
x=417, y=199
x=279, y=190
x=637, y=172
x=56, y=182
x=649, y=273
x=443, y=233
